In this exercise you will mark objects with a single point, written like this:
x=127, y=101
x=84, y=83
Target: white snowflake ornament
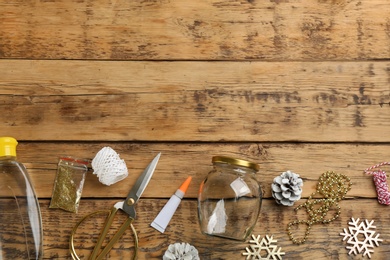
x=181, y=251
x=265, y=245
x=353, y=234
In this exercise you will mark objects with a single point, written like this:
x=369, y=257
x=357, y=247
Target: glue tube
x=162, y=220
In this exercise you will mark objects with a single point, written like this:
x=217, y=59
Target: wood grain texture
x=324, y=241
x=188, y=30
x=178, y=161
x=196, y=101
x=289, y=84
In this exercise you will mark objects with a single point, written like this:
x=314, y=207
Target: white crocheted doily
x=109, y=167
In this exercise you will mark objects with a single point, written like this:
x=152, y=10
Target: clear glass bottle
x=20, y=216
x=229, y=199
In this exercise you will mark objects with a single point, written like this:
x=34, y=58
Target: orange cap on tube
x=185, y=184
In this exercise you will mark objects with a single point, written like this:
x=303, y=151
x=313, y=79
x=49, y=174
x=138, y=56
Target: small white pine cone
x=181, y=251
x=287, y=188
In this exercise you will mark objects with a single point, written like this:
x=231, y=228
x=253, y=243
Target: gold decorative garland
x=333, y=187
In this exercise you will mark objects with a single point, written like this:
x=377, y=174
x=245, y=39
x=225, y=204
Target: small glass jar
x=229, y=199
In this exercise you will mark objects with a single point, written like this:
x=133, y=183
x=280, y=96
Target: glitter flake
x=356, y=231
x=261, y=247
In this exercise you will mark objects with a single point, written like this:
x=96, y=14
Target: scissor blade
x=140, y=185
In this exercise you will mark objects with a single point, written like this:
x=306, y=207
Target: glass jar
x=229, y=199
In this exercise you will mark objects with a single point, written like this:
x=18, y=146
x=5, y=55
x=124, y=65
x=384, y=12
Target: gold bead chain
x=333, y=187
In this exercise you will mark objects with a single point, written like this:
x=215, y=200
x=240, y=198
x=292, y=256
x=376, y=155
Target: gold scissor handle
x=109, y=219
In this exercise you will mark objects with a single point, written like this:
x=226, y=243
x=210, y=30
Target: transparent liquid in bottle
x=20, y=216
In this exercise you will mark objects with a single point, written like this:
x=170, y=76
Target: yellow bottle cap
x=8, y=146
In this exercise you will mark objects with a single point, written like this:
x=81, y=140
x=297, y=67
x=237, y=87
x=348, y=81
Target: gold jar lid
x=234, y=161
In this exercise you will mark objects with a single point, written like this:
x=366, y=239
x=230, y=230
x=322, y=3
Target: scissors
x=128, y=207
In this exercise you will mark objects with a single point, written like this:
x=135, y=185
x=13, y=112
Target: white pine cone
x=181, y=251
x=287, y=188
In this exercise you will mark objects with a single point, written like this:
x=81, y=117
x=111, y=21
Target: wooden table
x=292, y=85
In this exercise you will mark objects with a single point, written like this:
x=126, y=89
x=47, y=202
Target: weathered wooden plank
x=196, y=101
x=324, y=241
x=188, y=30
x=178, y=161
